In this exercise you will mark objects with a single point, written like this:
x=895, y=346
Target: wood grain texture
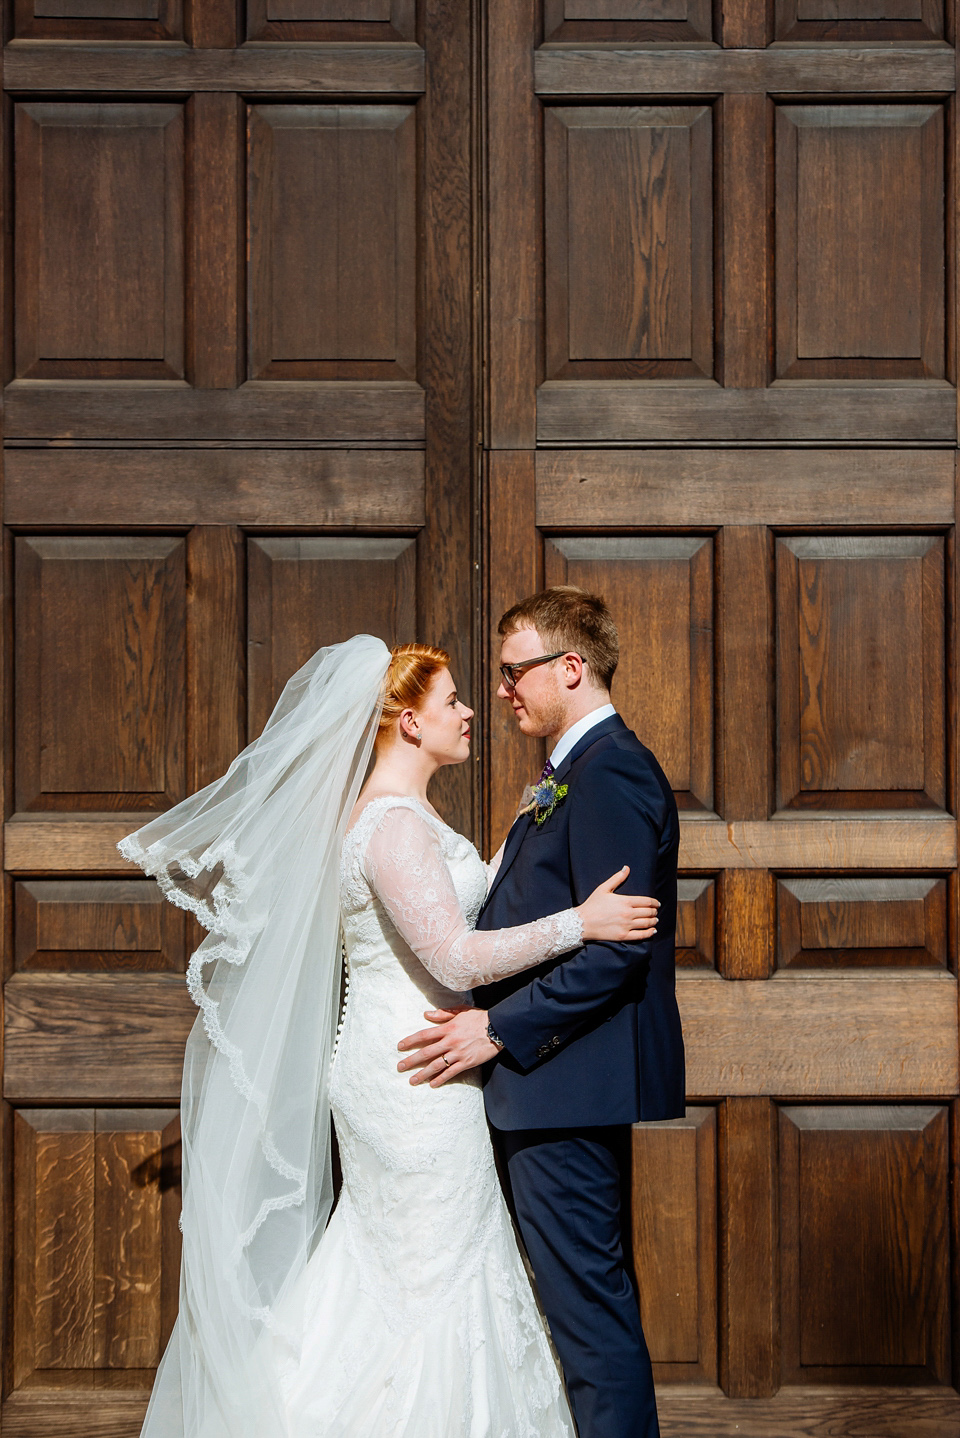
x=696, y=922
x=749, y=1248
x=808, y=1035
x=53, y=843
x=215, y=311
x=304, y=411
x=746, y=673
x=731, y=487
x=747, y=124
x=744, y=25
x=332, y=487
x=746, y=927
x=865, y=923
x=882, y=841
x=853, y=20
x=605, y=70
x=674, y=1243
x=514, y=571
x=87, y=20
x=627, y=21
x=213, y=24
x=216, y=670
x=106, y=925
x=865, y=1244
x=627, y=411
x=343, y=20
x=513, y=232
x=321, y=69
x=660, y=593
x=95, y=1036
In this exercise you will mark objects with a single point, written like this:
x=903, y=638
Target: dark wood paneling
x=215, y=324
x=331, y=20
x=95, y=1036
x=627, y=22
x=745, y=661
x=696, y=923
x=585, y=489
x=100, y=672
x=629, y=242
x=749, y=1238
x=618, y=412
x=304, y=593
x=98, y=269
x=860, y=287
x=882, y=20
x=91, y=1244
x=320, y=488
x=216, y=661
x=332, y=242
x=98, y=19
x=860, y=672
x=258, y=69
x=746, y=924
x=660, y=592
x=674, y=1243
x=747, y=189
x=96, y=924
x=865, y=923
x=865, y=1249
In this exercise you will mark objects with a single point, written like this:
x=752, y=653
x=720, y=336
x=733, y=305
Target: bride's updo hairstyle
x=412, y=667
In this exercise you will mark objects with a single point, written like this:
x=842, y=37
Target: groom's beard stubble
x=543, y=720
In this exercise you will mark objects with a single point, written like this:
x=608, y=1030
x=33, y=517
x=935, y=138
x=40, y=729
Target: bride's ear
x=409, y=727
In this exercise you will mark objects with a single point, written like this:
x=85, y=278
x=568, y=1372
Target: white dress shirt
x=576, y=732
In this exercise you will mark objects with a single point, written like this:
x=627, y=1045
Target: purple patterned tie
x=547, y=772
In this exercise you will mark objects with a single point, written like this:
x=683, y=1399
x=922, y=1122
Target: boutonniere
x=545, y=797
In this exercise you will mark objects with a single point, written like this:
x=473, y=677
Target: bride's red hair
x=412, y=667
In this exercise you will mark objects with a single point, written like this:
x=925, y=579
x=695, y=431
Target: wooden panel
x=631, y=297
x=811, y=1412
x=272, y=70
x=624, y=411
x=91, y=1243
x=660, y=592
x=98, y=268
x=865, y=1248
x=332, y=242
x=696, y=922
x=98, y=19
x=331, y=20
x=579, y=489
x=626, y=21
x=94, y=1036
x=866, y=923
x=859, y=20
x=745, y=663
x=275, y=487
x=746, y=924
x=100, y=672
x=747, y=132
x=884, y=841
x=748, y=1247
x=860, y=672
x=812, y=69
x=860, y=287
x=96, y=924
x=674, y=1243
x=304, y=593
x=215, y=229
x=216, y=662
x=806, y=1035
x=333, y=411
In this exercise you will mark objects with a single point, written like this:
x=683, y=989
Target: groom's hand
x=457, y=1042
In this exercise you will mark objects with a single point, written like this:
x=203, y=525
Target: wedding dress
x=414, y=1316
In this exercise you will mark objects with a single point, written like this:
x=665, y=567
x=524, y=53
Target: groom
x=582, y=1047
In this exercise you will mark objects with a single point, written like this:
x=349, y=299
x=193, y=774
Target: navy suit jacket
x=592, y=1037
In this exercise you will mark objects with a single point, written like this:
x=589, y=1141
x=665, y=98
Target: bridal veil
x=255, y=856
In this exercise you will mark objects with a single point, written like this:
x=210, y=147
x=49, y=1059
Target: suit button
x=555, y=1042
x=543, y=1050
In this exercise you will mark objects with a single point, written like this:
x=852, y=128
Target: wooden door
x=238, y=397
x=722, y=391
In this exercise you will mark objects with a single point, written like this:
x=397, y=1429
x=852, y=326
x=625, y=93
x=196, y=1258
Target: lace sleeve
x=494, y=865
x=405, y=867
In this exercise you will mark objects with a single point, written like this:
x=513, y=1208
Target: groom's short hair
x=570, y=619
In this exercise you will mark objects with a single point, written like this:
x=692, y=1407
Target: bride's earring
x=418, y=737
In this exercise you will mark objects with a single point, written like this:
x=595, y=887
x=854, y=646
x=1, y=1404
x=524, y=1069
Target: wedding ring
x=445, y=1059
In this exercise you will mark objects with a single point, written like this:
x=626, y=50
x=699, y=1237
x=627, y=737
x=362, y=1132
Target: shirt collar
x=576, y=732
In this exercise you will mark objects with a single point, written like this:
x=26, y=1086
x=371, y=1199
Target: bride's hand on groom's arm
x=457, y=1041
x=611, y=918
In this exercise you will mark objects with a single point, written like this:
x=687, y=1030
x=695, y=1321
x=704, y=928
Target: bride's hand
x=618, y=918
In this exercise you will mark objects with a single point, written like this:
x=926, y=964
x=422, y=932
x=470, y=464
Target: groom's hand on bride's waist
x=457, y=1041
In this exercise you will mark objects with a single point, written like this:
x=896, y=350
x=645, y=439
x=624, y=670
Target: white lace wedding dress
x=415, y=1315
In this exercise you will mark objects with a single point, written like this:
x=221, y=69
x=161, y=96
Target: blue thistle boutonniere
x=546, y=796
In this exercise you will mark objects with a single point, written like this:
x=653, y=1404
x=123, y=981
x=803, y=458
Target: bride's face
x=444, y=722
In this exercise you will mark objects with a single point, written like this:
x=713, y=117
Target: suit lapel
x=522, y=824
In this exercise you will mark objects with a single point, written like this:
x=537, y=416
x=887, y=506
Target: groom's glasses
x=512, y=673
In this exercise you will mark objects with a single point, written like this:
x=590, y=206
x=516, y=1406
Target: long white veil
x=256, y=857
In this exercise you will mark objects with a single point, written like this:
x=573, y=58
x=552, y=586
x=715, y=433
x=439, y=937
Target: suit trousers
x=569, y=1192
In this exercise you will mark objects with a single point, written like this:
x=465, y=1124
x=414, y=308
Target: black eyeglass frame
x=507, y=671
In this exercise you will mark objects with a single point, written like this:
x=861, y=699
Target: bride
x=409, y=1314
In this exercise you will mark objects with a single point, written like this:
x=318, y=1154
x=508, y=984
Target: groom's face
x=539, y=699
